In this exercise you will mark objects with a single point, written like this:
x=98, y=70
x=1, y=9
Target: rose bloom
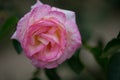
x=48, y=35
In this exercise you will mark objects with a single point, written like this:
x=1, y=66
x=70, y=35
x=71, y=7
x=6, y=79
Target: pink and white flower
x=48, y=35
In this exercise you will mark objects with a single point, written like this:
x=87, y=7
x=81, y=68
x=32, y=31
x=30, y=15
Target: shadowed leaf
x=35, y=78
x=97, y=53
x=114, y=67
x=74, y=62
x=52, y=74
x=102, y=61
x=17, y=46
x=112, y=45
x=8, y=27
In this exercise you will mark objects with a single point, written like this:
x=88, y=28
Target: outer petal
x=21, y=28
x=37, y=4
x=51, y=65
x=39, y=64
x=43, y=65
x=73, y=40
x=38, y=12
x=57, y=15
x=70, y=15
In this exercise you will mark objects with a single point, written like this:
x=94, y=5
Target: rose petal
x=57, y=15
x=38, y=63
x=44, y=41
x=53, y=55
x=37, y=4
x=31, y=50
x=51, y=38
x=73, y=40
x=70, y=15
x=38, y=12
x=51, y=65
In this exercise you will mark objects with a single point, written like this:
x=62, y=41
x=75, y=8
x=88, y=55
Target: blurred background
x=97, y=20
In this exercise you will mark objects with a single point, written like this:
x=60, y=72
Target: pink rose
x=48, y=35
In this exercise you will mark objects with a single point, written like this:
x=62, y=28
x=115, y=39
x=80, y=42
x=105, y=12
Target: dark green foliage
x=96, y=51
x=74, y=62
x=114, y=67
x=17, y=46
x=35, y=78
x=36, y=72
x=8, y=27
x=114, y=3
x=52, y=74
x=112, y=46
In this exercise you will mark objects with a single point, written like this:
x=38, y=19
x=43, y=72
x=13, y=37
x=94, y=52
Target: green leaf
x=114, y=67
x=74, y=63
x=111, y=47
x=36, y=72
x=100, y=43
x=102, y=61
x=97, y=52
x=36, y=78
x=52, y=74
x=8, y=27
x=118, y=35
x=115, y=43
x=17, y=46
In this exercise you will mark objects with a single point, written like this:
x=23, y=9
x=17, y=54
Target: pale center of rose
x=46, y=39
